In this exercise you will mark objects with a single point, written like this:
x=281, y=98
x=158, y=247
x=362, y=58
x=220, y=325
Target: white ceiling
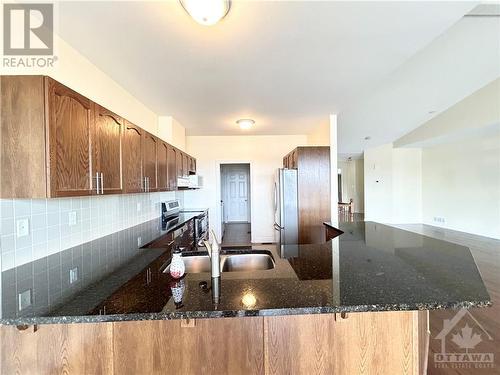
x=287, y=65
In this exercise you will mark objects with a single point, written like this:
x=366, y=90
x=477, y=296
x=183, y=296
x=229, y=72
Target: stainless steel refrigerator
x=286, y=214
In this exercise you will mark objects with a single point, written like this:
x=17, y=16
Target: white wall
x=393, y=190
x=461, y=184
x=265, y=155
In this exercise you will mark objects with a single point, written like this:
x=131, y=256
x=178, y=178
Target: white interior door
x=237, y=194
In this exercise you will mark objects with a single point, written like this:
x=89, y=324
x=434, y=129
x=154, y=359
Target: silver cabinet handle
x=145, y=187
x=102, y=183
x=97, y=183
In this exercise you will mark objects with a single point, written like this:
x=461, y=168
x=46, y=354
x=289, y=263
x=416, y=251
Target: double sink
x=230, y=261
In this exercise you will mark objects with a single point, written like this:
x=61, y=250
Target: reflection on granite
x=370, y=267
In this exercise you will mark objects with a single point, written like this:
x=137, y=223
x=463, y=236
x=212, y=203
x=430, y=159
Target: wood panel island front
x=354, y=305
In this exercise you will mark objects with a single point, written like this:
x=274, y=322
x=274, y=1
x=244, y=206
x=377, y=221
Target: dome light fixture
x=206, y=12
x=245, y=123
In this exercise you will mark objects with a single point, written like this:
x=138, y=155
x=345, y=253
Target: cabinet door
x=185, y=164
x=192, y=165
x=163, y=180
x=132, y=159
x=107, y=152
x=294, y=159
x=70, y=123
x=149, y=160
x=178, y=163
x=172, y=168
x=285, y=162
x=222, y=346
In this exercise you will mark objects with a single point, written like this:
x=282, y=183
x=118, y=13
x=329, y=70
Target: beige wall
x=320, y=136
x=265, y=155
x=461, y=184
x=77, y=72
x=353, y=182
x=172, y=131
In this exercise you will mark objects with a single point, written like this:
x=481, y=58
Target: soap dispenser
x=177, y=267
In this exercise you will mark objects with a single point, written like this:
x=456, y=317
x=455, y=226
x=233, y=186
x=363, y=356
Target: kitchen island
x=355, y=304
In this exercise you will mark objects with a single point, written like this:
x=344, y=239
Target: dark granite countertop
x=370, y=267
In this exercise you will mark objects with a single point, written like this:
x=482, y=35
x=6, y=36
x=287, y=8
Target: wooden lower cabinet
x=362, y=343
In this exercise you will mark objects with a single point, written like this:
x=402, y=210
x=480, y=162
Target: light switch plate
x=73, y=275
x=23, y=227
x=138, y=206
x=24, y=299
x=139, y=241
x=72, y=218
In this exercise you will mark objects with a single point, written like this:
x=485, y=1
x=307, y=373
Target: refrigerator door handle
x=275, y=197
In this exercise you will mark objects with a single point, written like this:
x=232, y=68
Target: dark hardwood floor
x=237, y=234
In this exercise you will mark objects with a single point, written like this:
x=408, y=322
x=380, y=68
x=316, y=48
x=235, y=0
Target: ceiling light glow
x=206, y=12
x=245, y=123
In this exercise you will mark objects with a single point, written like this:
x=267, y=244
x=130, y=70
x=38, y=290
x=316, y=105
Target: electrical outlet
x=73, y=275
x=24, y=299
x=72, y=218
x=23, y=227
x=138, y=206
x=139, y=241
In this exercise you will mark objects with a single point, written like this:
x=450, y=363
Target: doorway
x=235, y=204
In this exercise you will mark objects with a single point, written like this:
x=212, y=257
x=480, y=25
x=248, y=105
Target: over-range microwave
x=195, y=181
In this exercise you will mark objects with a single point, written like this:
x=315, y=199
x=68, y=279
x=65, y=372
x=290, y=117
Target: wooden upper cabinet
x=107, y=152
x=56, y=143
x=192, y=165
x=185, y=164
x=178, y=162
x=23, y=153
x=133, y=181
x=149, y=149
x=162, y=161
x=70, y=124
x=172, y=168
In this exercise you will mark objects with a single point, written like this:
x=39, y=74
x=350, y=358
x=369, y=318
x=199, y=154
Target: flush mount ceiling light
x=206, y=12
x=245, y=123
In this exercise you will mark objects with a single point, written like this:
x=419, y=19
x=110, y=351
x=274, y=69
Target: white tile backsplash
x=49, y=229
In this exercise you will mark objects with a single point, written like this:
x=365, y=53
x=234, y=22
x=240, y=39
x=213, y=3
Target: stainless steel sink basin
x=231, y=261
x=247, y=262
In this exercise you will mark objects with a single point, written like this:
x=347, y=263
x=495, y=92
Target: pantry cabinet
x=55, y=142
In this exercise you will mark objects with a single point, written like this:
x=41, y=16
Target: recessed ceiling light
x=206, y=12
x=245, y=123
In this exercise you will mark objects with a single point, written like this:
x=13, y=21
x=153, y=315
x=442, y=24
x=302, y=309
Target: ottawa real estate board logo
x=28, y=35
x=463, y=343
